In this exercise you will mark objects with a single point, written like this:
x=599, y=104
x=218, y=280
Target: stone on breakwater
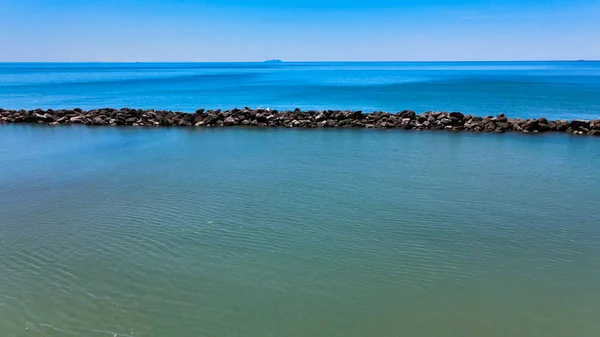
x=407, y=120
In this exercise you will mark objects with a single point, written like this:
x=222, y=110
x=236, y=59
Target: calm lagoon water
x=241, y=232
x=236, y=232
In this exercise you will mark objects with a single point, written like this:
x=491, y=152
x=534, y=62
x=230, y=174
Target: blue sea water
x=557, y=90
x=183, y=232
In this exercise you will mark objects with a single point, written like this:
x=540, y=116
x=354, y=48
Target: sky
x=298, y=30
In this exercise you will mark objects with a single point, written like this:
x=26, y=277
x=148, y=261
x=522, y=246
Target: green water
x=233, y=232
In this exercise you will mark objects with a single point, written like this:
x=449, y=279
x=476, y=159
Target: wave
x=140, y=80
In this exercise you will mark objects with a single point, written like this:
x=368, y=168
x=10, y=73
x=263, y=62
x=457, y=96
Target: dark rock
x=594, y=133
x=562, y=126
x=407, y=114
x=357, y=115
x=211, y=119
x=457, y=115
x=407, y=119
x=504, y=126
x=183, y=122
x=490, y=126
x=375, y=116
x=339, y=116
x=530, y=125
x=501, y=118
x=576, y=124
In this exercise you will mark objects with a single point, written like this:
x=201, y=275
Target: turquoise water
x=174, y=232
x=236, y=232
x=557, y=90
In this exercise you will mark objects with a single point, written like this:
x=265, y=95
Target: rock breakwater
x=407, y=120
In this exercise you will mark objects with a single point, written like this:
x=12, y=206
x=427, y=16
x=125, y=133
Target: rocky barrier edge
x=407, y=120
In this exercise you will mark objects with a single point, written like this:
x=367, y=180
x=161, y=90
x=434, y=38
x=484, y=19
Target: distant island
x=274, y=61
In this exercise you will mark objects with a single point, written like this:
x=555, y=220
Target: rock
x=358, y=124
x=43, y=117
x=490, y=126
x=530, y=125
x=358, y=115
x=407, y=119
x=211, y=119
x=501, y=118
x=457, y=115
x=407, y=114
x=578, y=123
x=375, y=116
x=98, y=121
x=229, y=121
x=562, y=126
x=594, y=133
x=505, y=126
x=339, y=116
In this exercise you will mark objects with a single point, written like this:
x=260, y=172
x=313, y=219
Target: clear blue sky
x=298, y=30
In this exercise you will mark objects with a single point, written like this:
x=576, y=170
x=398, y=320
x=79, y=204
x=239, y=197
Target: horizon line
x=314, y=61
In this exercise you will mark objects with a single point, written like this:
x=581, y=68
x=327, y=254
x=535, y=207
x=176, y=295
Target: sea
x=124, y=231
